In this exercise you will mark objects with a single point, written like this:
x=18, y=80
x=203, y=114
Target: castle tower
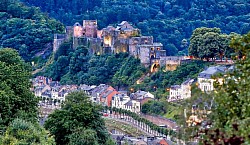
x=150, y=54
x=78, y=30
x=90, y=28
x=58, y=40
x=134, y=41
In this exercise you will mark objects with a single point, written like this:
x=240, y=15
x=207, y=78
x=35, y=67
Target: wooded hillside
x=169, y=21
x=26, y=29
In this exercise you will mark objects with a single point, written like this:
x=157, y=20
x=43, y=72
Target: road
x=156, y=120
x=131, y=122
x=161, y=121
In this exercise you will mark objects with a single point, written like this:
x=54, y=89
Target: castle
x=123, y=38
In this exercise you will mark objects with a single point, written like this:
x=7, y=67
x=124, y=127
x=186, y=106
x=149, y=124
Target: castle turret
x=78, y=30
x=58, y=40
x=90, y=28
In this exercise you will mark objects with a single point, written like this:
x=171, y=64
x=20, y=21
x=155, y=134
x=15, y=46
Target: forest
x=171, y=22
x=78, y=66
x=27, y=30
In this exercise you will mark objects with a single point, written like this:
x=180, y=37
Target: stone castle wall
x=123, y=38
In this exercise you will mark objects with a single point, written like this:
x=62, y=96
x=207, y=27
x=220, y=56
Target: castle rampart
x=123, y=38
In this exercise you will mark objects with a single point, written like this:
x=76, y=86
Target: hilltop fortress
x=123, y=38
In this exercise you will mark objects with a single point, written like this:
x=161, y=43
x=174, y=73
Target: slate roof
x=86, y=87
x=47, y=93
x=175, y=87
x=105, y=95
x=121, y=96
x=141, y=95
x=39, y=88
x=54, y=84
x=209, y=72
x=122, y=23
x=129, y=103
x=188, y=82
x=99, y=89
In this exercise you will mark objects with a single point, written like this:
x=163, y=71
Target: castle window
x=158, y=48
x=152, y=48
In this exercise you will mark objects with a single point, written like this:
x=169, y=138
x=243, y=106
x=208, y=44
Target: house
x=134, y=141
x=186, y=88
x=118, y=138
x=41, y=81
x=141, y=94
x=86, y=88
x=119, y=100
x=40, y=89
x=205, y=80
x=175, y=93
x=133, y=106
x=46, y=95
x=180, y=92
x=137, y=100
x=133, y=102
x=106, y=97
x=95, y=93
x=103, y=94
x=55, y=91
x=160, y=141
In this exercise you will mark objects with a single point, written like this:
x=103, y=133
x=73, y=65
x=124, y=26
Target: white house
x=40, y=89
x=186, y=88
x=119, y=100
x=174, y=93
x=205, y=80
x=133, y=106
x=180, y=92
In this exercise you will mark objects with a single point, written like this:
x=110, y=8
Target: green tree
x=208, y=43
x=204, y=42
x=130, y=71
x=231, y=117
x=82, y=136
x=16, y=99
x=77, y=112
x=26, y=29
x=23, y=132
x=78, y=62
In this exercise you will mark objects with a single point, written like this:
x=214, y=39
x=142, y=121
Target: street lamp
x=131, y=90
